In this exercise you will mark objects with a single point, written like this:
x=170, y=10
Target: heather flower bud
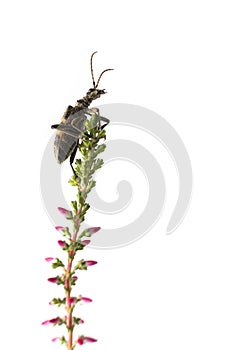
x=53, y=279
x=49, y=259
x=55, y=339
x=83, y=264
x=94, y=229
x=82, y=340
x=58, y=280
x=90, y=262
x=53, y=321
x=86, y=241
x=73, y=300
x=86, y=300
x=68, y=213
x=90, y=231
x=73, y=280
x=59, y=228
x=62, y=244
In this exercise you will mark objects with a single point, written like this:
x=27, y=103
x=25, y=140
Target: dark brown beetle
x=73, y=123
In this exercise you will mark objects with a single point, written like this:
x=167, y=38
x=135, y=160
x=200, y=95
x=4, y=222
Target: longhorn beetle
x=73, y=122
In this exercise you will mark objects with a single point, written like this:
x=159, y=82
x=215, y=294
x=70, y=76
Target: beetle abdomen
x=63, y=146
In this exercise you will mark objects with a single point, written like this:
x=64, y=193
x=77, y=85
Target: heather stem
x=68, y=305
x=85, y=169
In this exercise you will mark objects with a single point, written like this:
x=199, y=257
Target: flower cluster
x=74, y=240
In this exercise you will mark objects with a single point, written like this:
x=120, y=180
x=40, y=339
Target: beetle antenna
x=92, y=73
x=101, y=76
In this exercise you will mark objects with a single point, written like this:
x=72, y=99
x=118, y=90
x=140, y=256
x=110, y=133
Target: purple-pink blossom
x=63, y=210
x=86, y=241
x=62, y=244
x=68, y=214
x=90, y=262
x=53, y=279
x=55, y=339
x=49, y=259
x=86, y=300
x=53, y=321
x=93, y=229
x=73, y=300
x=59, y=228
x=82, y=340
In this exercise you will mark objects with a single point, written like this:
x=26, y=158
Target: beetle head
x=94, y=93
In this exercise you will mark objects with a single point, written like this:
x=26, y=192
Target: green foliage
x=57, y=263
x=58, y=301
x=89, y=162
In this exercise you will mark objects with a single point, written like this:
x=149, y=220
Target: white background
x=174, y=57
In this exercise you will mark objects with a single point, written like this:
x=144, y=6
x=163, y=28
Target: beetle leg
x=67, y=112
x=72, y=156
x=65, y=116
x=106, y=120
x=55, y=126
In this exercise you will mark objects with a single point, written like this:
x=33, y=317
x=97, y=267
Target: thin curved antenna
x=101, y=76
x=92, y=73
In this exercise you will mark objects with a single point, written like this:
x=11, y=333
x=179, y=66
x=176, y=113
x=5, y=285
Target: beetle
x=72, y=124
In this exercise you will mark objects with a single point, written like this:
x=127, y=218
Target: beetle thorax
x=91, y=95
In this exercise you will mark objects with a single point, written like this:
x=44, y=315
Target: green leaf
x=78, y=246
x=98, y=164
x=74, y=205
x=63, y=340
x=99, y=149
x=66, y=232
x=86, y=143
x=91, y=184
x=77, y=320
x=57, y=263
x=81, y=265
x=58, y=301
x=102, y=134
x=83, y=150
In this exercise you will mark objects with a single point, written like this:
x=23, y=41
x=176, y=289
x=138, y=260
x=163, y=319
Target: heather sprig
x=74, y=240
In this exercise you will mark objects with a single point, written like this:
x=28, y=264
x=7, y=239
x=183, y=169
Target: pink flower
x=85, y=242
x=53, y=321
x=62, y=244
x=59, y=228
x=94, y=229
x=82, y=340
x=89, y=232
x=63, y=210
x=73, y=300
x=49, y=259
x=55, y=339
x=86, y=300
x=90, y=262
x=68, y=214
x=53, y=279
